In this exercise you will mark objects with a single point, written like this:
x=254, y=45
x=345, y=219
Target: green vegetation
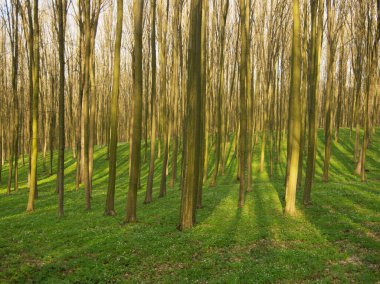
x=335, y=239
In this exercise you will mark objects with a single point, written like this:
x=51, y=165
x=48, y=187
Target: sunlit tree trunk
x=36, y=90
x=294, y=125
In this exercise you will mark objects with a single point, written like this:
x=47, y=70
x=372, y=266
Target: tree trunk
x=137, y=112
x=243, y=103
x=294, y=125
x=149, y=188
x=62, y=6
x=313, y=78
x=110, y=202
x=162, y=54
x=36, y=90
x=192, y=120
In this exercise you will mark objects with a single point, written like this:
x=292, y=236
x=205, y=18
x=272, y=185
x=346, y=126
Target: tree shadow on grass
x=345, y=218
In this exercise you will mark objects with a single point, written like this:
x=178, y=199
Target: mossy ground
x=337, y=239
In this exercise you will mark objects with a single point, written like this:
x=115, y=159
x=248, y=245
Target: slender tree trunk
x=329, y=90
x=303, y=95
x=314, y=62
x=175, y=91
x=137, y=112
x=62, y=6
x=294, y=125
x=243, y=103
x=219, y=104
x=372, y=45
x=85, y=105
x=110, y=202
x=250, y=99
x=36, y=90
x=165, y=101
x=79, y=148
x=203, y=101
x=149, y=188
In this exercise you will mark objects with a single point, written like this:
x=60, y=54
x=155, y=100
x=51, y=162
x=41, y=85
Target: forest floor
x=337, y=239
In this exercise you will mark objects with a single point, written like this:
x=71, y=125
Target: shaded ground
x=335, y=240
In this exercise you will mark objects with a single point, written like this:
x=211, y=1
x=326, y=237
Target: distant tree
x=371, y=46
x=220, y=94
x=335, y=22
x=12, y=26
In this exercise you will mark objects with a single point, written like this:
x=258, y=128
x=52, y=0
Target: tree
x=62, y=6
x=243, y=103
x=85, y=131
x=176, y=88
x=163, y=61
x=333, y=27
x=204, y=49
x=12, y=25
x=94, y=19
x=371, y=47
x=220, y=134
x=137, y=111
x=193, y=144
x=149, y=188
x=250, y=98
x=36, y=90
x=313, y=77
x=294, y=124
x=110, y=209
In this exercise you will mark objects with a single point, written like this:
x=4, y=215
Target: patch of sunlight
x=24, y=214
x=222, y=211
x=47, y=179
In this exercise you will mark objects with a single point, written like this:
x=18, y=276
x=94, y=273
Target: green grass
x=337, y=239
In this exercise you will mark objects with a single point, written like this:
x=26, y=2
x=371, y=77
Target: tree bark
x=110, y=202
x=137, y=112
x=294, y=125
x=192, y=120
x=36, y=90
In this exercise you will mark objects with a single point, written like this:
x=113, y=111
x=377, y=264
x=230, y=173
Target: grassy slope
x=337, y=239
